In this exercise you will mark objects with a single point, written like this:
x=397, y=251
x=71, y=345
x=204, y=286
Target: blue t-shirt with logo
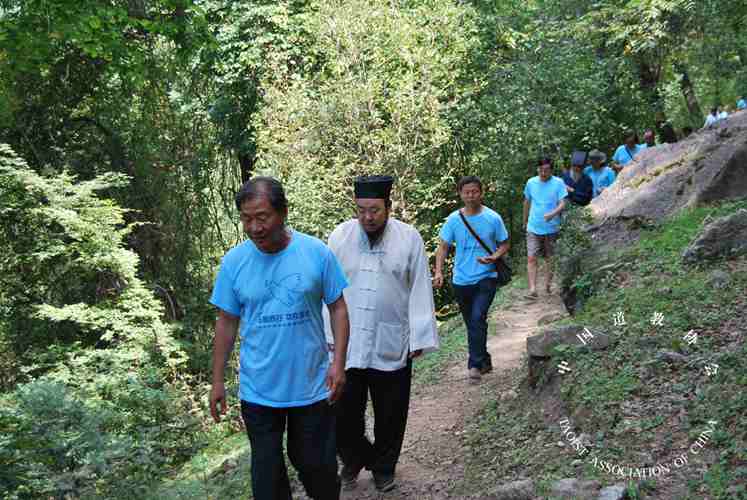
x=284, y=359
x=602, y=178
x=489, y=226
x=544, y=198
x=741, y=104
x=623, y=155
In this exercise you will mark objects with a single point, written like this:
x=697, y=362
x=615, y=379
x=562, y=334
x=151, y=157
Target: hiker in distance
x=392, y=318
x=275, y=284
x=475, y=279
x=544, y=200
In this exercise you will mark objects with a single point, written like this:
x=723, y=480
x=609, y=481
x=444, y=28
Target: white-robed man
x=392, y=321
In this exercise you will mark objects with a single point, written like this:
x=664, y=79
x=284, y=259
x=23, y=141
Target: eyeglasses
x=374, y=211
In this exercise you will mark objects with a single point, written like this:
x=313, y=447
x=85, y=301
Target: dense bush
x=100, y=405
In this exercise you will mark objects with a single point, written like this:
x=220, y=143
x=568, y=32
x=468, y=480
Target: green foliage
x=377, y=105
x=101, y=406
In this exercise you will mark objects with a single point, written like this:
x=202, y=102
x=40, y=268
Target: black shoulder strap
x=487, y=249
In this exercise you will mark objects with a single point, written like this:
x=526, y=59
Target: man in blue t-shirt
x=741, y=104
x=475, y=279
x=544, y=200
x=627, y=151
x=273, y=286
x=600, y=174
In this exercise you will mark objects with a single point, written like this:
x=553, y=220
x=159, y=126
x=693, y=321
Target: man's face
x=649, y=138
x=372, y=214
x=596, y=163
x=544, y=171
x=630, y=142
x=263, y=224
x=471, y=194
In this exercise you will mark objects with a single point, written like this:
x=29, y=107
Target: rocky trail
x=432, y=460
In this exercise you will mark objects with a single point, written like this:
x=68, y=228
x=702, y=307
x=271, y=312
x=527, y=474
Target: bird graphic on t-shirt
x=286, y=290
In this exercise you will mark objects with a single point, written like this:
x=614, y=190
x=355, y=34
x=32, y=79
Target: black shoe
x=486, y=369
x=383, y=482
x=349, y=475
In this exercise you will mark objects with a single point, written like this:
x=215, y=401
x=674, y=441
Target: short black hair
x=263, y=186
x=469, y=179
x=631, y=133
x=545, y=161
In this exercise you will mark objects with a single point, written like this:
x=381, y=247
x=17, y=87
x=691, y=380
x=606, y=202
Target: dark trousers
x=474, y=302
x=390, y=395
x=311, y=450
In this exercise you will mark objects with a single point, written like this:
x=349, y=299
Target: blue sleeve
x=562, y=191
x=333, y=278
x=616, y=156
x=527, y=192
x=224, y=297
x=447, y=231
x=501, y=234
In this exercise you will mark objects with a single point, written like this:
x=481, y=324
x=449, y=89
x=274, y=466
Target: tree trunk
x=688, y=92
x=246, y=161
x=648, y=77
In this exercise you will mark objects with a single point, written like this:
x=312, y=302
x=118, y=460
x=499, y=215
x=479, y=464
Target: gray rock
x=515, y=490
x=575, y=489
x=541, y=346
x=724, y=237
x=585, y=439
x=671, y=357
x=719, y=279
x=616, y=492
x=705, y=168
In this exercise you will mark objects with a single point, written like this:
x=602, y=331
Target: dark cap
x=373, y=186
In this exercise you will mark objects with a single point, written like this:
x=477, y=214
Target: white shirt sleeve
x=421, y=308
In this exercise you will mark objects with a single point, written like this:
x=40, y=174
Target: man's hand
x=490, y=259
x=416, y=353
x=569, y=189
x=218, y=397
x=335, y=382
x=548, y=216
x=438, y=280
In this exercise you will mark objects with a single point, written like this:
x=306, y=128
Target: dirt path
x=432, y=456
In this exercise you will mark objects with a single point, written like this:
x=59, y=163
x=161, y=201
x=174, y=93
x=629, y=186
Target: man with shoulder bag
x=479, y=270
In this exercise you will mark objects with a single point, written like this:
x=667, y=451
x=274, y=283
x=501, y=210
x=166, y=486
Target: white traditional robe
x=390, y=297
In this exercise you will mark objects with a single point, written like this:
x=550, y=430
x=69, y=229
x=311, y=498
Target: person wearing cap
x=544, y=200
x=627, y=151
x=393, y=321
x=600, y=174
x=579, y=185
x=475, y=279
x=272, y=286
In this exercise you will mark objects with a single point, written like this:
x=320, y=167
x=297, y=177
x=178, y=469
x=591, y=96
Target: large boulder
x=724, y=237
x=540, y=347
x=708, y=166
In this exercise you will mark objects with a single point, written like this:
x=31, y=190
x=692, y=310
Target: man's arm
x=558, y=209
x=527, y=205
x=441, y=253
x=226, y=327
x=338, y=318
